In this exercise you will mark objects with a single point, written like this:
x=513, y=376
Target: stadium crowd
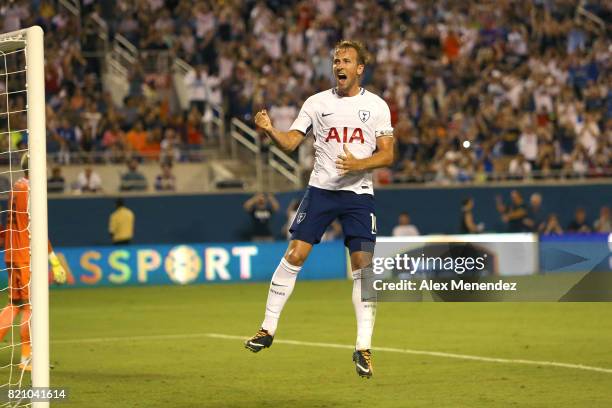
x=478, y=91
x=524, y=85
x=83, y=123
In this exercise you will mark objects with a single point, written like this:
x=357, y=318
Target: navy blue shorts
x=319, y=208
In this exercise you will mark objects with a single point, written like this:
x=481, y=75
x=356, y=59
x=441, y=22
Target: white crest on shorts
x=300, y=217
x=364, y=115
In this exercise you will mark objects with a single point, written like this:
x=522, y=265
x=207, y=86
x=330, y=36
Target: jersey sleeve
x=383, y=123
x=303, y=122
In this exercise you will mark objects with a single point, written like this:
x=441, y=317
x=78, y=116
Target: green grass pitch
x=147, y=347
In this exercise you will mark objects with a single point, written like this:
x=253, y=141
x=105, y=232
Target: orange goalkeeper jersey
x=17, y=235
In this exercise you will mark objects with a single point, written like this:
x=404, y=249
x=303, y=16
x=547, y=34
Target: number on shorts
x=373, y=217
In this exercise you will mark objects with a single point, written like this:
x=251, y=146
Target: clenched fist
x=263, y=120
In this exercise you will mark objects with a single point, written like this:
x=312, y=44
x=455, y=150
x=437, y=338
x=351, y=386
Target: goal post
x=22, y=76
x=37, y=147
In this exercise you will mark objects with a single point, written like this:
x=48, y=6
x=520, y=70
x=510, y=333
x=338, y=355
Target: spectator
x=170, y=147
x=603, y=223
x=195, y=138
x=133, y=180
x=578, y=164
x=77, y=101
x=404, y=228
x=514, y=215
x=56, y=183
x=579, y=223
x=535, y=221
x=137, y=138
x=295, y=41
x=588, y=134
x=468, y=225
x=92, y=118
x=519, y=167
x=152, y=148
x=69, y=134
x=552, y=226
x=261, y=208
x=112, y=142
x=88, y=181
x=528, y=145
x=480, y=175
x=13, y=13
x=121, y=224
x=452, y=45
x=195, y=81
x=166, y=180
x=283, y=114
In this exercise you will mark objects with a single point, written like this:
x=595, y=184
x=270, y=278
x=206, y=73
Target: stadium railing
x=214, y=126
x=285, y=165
x=121, y=56
x=124, y=50
x=72, y=6
x=264, y=153
x=594, y=21
x=247, y=138
x=90, y=22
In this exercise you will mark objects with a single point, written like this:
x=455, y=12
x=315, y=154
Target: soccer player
x=353, y=136
x=17, y=259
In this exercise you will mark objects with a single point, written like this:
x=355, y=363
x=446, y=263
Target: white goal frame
x=39, y=284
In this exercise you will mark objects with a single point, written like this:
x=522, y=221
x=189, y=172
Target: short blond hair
x=363, y=57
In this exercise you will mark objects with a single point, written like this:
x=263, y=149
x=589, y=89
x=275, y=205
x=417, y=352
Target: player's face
x=347, y=70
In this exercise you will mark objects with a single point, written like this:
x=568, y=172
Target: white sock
x=281, y=287
x=365, y=312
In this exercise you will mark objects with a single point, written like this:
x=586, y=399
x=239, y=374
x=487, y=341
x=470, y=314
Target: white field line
x=339, y=346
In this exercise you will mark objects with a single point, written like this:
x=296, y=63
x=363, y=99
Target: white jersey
x=356, y=121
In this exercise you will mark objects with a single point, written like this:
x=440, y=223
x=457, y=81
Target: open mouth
x=341, y=77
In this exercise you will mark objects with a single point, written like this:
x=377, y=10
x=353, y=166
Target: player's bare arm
x=287, y=141
x=382, y=157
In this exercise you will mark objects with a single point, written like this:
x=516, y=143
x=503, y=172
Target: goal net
x=24, y=347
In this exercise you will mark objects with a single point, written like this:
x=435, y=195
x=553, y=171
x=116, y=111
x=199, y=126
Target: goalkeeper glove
x=59, y=273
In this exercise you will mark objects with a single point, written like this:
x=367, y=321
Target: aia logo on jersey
x=356, y=135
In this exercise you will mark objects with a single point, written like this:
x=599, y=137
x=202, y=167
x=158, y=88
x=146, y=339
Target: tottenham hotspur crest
x=364, y=115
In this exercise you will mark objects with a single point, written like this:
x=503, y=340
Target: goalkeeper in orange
x=17, y=259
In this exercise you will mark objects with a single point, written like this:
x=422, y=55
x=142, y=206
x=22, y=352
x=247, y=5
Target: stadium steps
x=240, y=174
x=232, y=174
